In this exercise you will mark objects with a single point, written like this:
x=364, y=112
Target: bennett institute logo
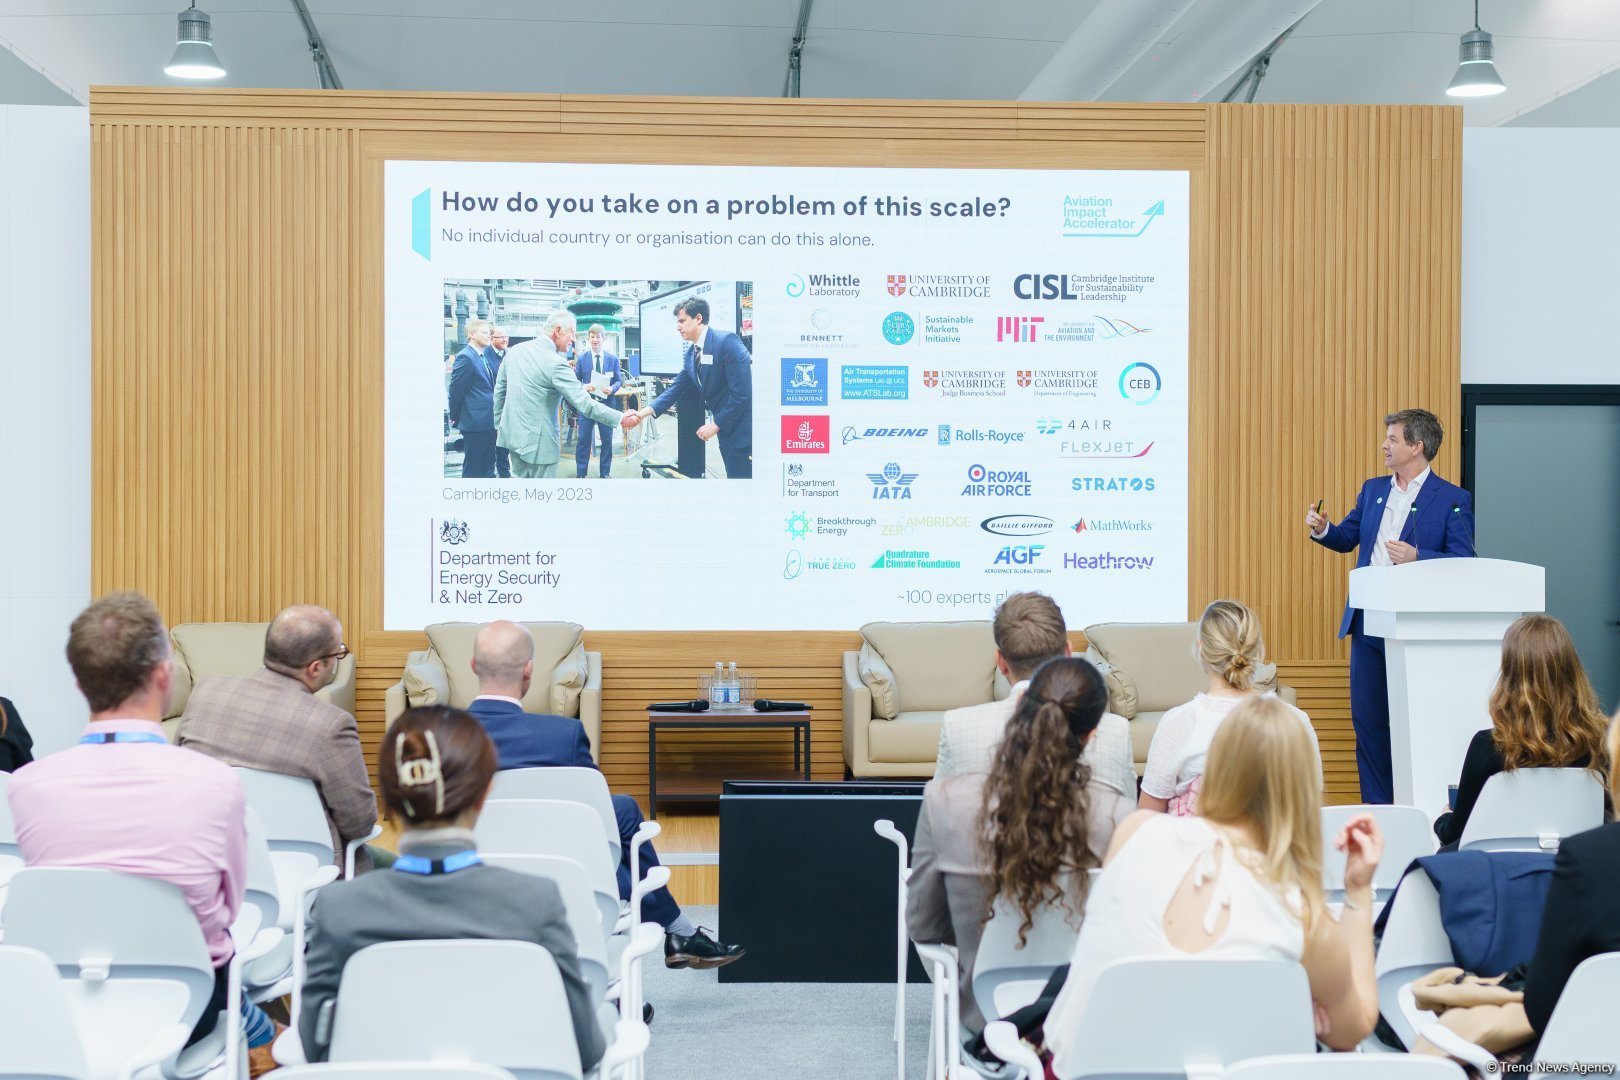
x=452, y=531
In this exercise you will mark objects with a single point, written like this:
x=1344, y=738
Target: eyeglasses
x=343, y=651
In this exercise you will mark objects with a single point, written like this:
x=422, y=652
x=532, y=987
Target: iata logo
x=897, y=284
x=806, y=434
x=891, y=483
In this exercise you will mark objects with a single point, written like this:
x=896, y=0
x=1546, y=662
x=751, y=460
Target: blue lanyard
x=417, y=864
x=98, y=738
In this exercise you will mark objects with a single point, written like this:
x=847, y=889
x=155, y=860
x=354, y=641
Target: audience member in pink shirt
x=124, y=799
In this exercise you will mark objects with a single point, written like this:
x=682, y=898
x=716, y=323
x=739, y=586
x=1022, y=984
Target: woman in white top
x=1243, y=880
x=1230, y=650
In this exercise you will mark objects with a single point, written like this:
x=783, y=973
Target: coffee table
x=703, y=785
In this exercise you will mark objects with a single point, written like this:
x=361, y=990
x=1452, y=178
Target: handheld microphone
x=695, y=705
x=767, y=705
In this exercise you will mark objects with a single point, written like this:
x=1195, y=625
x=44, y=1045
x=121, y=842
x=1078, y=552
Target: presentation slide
x=921, y=389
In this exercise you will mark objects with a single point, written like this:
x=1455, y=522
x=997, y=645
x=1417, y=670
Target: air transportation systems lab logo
x=891, y=483
x=804, y=381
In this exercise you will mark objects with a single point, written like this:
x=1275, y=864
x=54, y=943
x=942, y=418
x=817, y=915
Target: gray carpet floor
x=704, y=1028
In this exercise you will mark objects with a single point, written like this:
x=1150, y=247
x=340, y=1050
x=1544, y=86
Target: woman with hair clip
x=1026, y=831
x=1544, y=715
x=1240, y=881
x=1230, y=650
x=435, y=767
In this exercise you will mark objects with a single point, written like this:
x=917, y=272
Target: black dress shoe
x=646, y=1012
x=698, y=951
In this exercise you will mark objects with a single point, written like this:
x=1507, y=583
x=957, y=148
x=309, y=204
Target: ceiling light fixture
x=1476, y=72
x=194, y=56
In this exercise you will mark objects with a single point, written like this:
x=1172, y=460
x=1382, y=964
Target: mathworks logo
x=1140, y=383
x=806, y=434
x=1111, y=525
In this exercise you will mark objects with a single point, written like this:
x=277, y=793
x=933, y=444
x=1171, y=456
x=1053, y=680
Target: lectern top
x=1452, y=585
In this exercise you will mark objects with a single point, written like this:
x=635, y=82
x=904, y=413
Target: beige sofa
x=233, y=648
x=903, y=679
x=567, y=679
x=1150, y=669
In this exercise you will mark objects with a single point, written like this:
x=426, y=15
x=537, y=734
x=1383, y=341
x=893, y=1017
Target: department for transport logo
x=806, y=434
x=804, y=380
x=452, y=531
x=898, y=328
x=1140, y=383
x=891, y=483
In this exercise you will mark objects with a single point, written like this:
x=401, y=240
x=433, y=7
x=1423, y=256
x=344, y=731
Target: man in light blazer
x=534, y=378
x=717, y=375
x=1029, y=630
x=1409, y=515
x=472, y=389
x=272, y=720
x=497, y=352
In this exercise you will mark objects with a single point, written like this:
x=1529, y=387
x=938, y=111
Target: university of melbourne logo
x=804, y=381
x=452, y=531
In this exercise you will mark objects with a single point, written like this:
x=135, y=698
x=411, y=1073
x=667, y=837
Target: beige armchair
x=1150, y=670
x=233, y=648
x=567, y=679
x=900, y=683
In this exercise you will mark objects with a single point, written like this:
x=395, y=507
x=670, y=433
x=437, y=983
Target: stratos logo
x=1018, y=525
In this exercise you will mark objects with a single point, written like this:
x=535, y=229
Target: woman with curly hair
x=1544, y=715
x=1027, y=831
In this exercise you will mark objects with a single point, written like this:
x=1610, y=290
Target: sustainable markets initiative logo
x=898, y=328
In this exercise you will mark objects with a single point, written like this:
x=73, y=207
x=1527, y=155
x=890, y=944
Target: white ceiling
x=1559, y=58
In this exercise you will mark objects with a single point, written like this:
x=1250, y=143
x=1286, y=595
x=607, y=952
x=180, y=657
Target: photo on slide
x=538, y=373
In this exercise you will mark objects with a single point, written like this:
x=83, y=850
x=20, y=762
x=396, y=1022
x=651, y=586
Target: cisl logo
x=806, y=434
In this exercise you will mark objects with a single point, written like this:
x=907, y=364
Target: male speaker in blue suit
x=503, y=660
x=1412, y=515
x=472, y=402
x=599, y=368
x=718, y=372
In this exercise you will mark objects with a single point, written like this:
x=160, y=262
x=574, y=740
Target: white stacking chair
x=295, y=822
x=580, y=904
x=1408, y=834
x=1532, y=809
x=1007, y=976
x=42, y=1040
x=1345, y=1067
x=508, y=1009
x=575, y=784
x=393, y=1070
x=133, y=965
x=1414, y=944
x=885, y=828
x=1215, y=1013
x=11, y=859
x=1581, y=1027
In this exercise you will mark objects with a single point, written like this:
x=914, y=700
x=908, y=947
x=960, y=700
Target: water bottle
x=717, y=688
x=733, y=686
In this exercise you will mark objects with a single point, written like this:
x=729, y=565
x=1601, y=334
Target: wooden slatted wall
x=237, y=339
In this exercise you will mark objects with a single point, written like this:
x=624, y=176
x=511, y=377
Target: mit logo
x=1019, y=328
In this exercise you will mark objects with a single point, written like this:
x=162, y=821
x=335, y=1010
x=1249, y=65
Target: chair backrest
x=498, y=1002
x=128, y=948
x=569, y=830
x=1408, y=834
x=1007, y=976
x=580, y=903
x=1346, y=1067
x=1414, y=943
x=1582, y=1027
x=290, y=809
x=33, y=1001
x=1531, y=809
x=384, y=1070
x=1223, y=1010
x=11, y=859
x=8, y=830
x=262, y=891
x=565, y=783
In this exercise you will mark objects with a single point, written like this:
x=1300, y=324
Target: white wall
x=1540, y=255
x=44, y=411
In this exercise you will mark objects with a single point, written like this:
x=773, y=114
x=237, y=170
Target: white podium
x=1442, y=622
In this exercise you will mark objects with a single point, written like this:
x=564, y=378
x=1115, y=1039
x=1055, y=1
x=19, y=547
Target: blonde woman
x=1230, y=649
x=1240, y=881
x=1544, y=714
